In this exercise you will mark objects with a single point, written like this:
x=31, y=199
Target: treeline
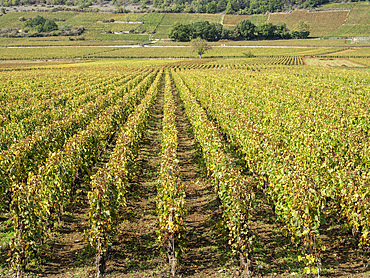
x=245, y=30
x=234, y=6
x=191, y=6
x=238, y=6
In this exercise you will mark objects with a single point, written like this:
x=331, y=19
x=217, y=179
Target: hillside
x=328, y=20
x=187, y=6
x=341, y=21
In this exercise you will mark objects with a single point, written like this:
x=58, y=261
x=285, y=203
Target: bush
x=41, y=25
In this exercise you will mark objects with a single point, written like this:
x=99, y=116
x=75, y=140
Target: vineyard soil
x=207, y=253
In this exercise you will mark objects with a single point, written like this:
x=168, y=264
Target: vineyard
x=252, y=167
x=161, y=51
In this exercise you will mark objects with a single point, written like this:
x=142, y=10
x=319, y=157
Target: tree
x=229, y=8
x=180, y=32
x=40, y=24
x=211, y=7
x=205, y=30
x=282, y=32
x=302, y=26
x=143, y=4
x=249, y=54
x=266, y=31
x=36, y=21
x=301, y=30
x=199, y=46
x=221, y=5
x=246, y=29
x=49, y=26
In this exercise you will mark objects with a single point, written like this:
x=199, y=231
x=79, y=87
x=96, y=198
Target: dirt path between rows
x=66, y=251
x=207, y=254
x=136, y=253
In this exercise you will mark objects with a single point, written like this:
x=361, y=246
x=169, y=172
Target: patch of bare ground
x=136, y=253
x=207, y=252
x=343, y=258
x=66, y=251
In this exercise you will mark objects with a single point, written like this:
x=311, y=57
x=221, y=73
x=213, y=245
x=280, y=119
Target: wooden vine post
x=171, y=245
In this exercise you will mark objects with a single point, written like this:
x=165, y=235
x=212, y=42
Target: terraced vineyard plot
x=232, y=20
x=359, y=15
x=333, y=20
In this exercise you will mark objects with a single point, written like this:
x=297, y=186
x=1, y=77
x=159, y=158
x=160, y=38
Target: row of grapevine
x=247, y=63
x=109, y=184
x=234, y=192
x=214, y=66
x=43, y=112
x=43, y=90
x=294, y=60
x=171, y=208
x=23, y=96
x=36, y=204
x=25, y=156
x=298, y=145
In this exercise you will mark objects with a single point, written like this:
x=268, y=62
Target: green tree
x=205, y=30
x=143, y=4
x=246, y=29
x=41, y=24
x=302, y=26
x=49, y=26
x=249, y=54
x=282, y=32
x=199, y=46
x=180, y=32
x=266, y=31
x=229, y=8
x=221, y=5
x=211, y=7
x=301, y=30
x=36, y=21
